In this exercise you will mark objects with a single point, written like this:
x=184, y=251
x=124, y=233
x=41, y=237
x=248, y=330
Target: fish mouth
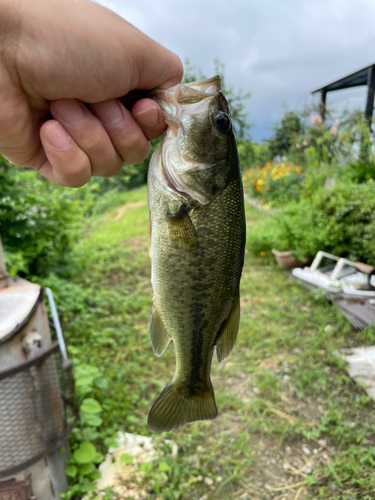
x=184, y=99
x=172, y=101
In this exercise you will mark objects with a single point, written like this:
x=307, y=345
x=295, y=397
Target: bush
x=38, y=220
x=274, y=182
x=292, y=229
x=339, y=220
x=246, y=154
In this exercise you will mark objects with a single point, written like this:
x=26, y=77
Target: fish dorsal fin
x=228, y=336
x=182, y=230
x=159, y=336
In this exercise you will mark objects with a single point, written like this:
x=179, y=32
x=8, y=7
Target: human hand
x=56, y=55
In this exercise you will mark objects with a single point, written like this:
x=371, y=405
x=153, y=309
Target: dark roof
x=354, y=80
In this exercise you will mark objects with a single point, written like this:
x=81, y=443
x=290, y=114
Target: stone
x=361, y=366
x=306, y=450
x=208, y=481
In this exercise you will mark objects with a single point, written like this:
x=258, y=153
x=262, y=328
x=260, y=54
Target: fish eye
x=221, y=122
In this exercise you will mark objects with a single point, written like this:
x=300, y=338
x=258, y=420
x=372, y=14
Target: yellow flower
x=262, y=253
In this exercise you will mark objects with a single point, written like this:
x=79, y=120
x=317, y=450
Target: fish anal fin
x=228, y=335
x=175, y=408
x=181, y=229
x=159, y=336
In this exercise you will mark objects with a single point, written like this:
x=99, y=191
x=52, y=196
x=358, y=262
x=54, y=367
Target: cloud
x=279, y=51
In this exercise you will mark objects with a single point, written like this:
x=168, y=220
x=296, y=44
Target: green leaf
x=85, y=454
x=98, y=458
x=126, y=458
x=109, y=493
x=95, y=475
x=91, y=405
x=110, y=442
x=310, y=480
x=85, y=380
x=71, y=471
x=146, y=466
x=87, y=485
x=102, y=383
x=87, y=469
x=163, y=467
x=92, y=419
x=90, y=434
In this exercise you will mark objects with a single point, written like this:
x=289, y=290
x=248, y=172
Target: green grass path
x=292, y=425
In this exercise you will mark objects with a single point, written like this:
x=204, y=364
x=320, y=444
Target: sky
x=279, y=51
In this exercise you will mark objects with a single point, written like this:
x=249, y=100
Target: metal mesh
x=37, y=408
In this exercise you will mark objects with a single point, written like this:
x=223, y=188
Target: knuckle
x=97, y=144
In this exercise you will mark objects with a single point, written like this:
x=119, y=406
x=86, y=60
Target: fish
x=197, y=236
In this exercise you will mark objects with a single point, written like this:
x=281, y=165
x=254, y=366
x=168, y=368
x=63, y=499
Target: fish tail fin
x=174, y=408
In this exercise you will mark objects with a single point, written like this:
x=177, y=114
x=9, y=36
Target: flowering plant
x=273, y=182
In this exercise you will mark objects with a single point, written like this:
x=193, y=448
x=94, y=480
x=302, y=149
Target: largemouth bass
x=197, y=239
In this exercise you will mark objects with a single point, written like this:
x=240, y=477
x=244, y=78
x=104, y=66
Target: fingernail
x=58, y=137
x=109, y=112
x=148, y=117
x=70, y=111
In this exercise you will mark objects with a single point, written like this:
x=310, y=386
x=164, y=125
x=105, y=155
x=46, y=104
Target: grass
x=292, y=425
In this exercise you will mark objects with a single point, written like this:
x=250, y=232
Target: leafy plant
x=285, y=133
x=274, y=182
x=39, y=221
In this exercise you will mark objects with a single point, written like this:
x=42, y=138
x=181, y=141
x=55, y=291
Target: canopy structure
x=364, y=76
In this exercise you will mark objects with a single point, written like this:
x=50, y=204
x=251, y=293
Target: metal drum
x=38, y=408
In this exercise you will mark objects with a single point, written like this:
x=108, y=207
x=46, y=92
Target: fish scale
x=197, y=254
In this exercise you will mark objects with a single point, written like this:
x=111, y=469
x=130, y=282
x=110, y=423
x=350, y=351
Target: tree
x=284, y=132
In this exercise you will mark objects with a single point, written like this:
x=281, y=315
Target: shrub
x=38, y=220
x=274, y=182
x=291, y=229
x=339, y=220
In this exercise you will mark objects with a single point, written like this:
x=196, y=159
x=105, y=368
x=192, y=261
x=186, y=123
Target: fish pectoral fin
x=182, y=231
x=228, y=335
x=175, y=408
x=159, y=336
